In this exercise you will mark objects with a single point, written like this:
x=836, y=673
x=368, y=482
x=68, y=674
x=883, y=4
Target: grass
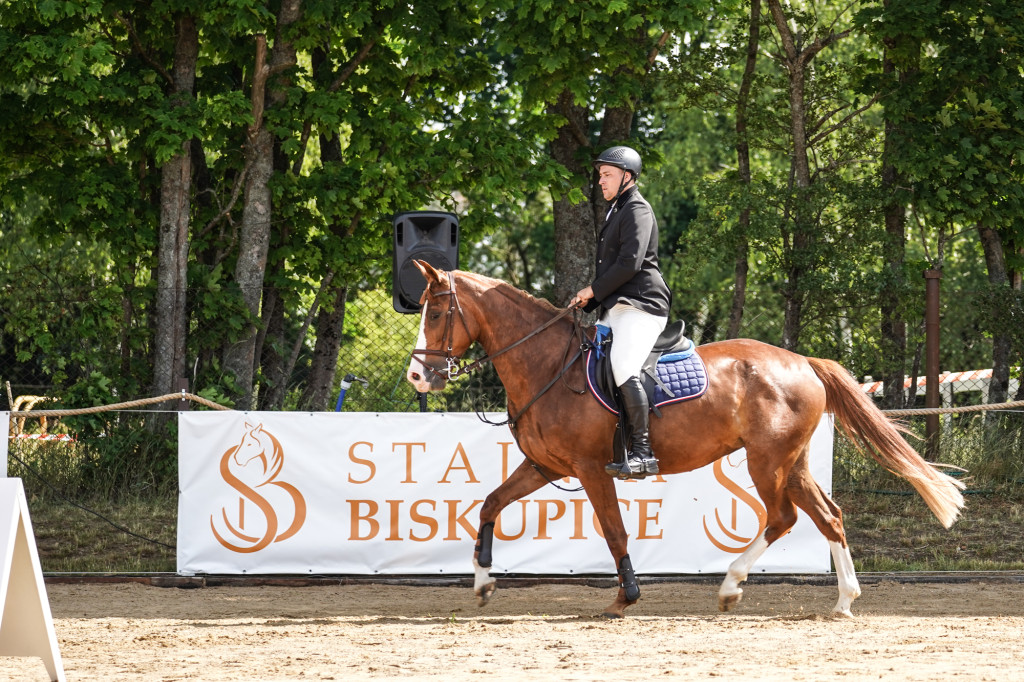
x=890, y=532
x=888, y=526
x=886, y=532
x=71, y=540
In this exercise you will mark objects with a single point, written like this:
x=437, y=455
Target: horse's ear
x=428, y=271
x=432, y=275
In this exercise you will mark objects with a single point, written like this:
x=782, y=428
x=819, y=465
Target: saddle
x=673, y=372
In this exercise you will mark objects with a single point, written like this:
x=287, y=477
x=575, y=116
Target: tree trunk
x=893, y=324
x=253, y=244
x=575, y=234
x=270, y=345
x=615, y=128
x=797, y=240
x=330, y=319
x=271, y=342
x=329, y=325
x=742, y=264
x=1002, y=346
x=1017, y=283
x=254, y=237
x=175, y=210
x=800, y=238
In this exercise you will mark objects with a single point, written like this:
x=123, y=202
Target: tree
x=170, y=309
x=585, y=70
x=257, y=214
x=956, y=138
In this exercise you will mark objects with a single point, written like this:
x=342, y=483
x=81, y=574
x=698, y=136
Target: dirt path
x=779, y=632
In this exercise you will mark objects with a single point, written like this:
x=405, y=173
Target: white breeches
x=633, y=335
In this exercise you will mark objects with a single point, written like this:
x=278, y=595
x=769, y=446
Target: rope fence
x=209, y=403
x=19, y=414
x=954, y=410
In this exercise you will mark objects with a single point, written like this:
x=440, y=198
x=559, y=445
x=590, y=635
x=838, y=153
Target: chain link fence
x=80, y=348
x=102, y=487
x=88, y=346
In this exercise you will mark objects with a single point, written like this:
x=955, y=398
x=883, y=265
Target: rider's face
x=610, y=177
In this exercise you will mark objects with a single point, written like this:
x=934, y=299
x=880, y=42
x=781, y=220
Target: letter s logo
x=733, y=542
x=249, y=467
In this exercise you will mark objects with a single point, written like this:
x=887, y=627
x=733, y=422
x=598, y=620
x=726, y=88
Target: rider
x=632, y=295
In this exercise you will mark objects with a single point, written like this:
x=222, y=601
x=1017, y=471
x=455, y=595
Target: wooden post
x=932, y=396
x=182, y=405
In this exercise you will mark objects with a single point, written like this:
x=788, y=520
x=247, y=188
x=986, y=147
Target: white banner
x=5, y=432
x=400, y=493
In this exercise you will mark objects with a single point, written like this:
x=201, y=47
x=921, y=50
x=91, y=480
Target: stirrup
x=634, y=468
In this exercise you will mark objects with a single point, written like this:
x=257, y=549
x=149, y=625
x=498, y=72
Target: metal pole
x=932, y=397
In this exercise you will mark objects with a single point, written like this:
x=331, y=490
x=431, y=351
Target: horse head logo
x=733, y=541
x=250, y=467
x=258, y=444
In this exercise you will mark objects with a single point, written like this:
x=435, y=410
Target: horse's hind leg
x=523, y=481
x=827, y=516
x=730, y=593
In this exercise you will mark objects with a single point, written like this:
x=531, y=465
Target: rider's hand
x=582, y=297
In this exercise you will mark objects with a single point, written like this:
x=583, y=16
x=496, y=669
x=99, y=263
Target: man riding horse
x=634, y=300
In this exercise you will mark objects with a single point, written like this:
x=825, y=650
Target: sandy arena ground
x=779, y=632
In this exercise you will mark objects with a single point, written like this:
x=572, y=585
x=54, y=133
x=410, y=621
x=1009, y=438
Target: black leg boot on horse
x=636, y=413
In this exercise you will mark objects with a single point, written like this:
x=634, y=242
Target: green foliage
x=453, y=104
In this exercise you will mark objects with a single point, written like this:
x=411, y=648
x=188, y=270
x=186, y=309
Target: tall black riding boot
x=640, y=461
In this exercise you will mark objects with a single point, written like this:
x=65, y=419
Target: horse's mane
x=508, y=290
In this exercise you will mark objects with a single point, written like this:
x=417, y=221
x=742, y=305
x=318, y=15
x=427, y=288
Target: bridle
x=454, y=363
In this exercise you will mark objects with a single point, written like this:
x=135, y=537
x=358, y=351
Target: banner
x=400, y=493
x=5, y=417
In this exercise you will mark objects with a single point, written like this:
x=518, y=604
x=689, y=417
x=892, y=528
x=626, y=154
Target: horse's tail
x=869, y=429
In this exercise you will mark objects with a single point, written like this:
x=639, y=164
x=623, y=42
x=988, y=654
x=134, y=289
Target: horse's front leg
x=523, y=481
x=600, y=489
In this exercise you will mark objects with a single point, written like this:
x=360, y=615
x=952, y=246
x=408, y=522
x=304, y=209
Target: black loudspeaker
x=431, y=236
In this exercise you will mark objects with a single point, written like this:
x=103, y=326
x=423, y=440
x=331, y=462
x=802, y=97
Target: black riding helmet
x=625, y=158
x=620, y=157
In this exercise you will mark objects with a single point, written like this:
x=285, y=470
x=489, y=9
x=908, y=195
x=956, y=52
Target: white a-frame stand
x=26, y=626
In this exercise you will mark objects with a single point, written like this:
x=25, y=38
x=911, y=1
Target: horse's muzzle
x=426, y=378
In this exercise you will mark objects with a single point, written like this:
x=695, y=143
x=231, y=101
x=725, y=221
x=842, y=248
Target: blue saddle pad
x=683, y=373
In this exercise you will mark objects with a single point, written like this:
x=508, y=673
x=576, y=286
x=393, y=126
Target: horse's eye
x=434, y=315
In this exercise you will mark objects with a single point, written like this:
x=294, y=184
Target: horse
x=763, y=398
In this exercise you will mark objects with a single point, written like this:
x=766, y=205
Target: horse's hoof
x=842, y=615
x=612, y=615
x=726, y=602
x=484, y=594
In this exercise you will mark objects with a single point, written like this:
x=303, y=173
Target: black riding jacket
x=627, y=259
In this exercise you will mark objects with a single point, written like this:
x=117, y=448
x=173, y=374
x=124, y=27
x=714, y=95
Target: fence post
x=932, y=397
x=182, y=405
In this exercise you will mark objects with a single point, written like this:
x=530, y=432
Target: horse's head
x=445, y=332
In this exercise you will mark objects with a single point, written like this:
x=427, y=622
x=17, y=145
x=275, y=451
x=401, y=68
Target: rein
x=455, y=368
x=561, y=374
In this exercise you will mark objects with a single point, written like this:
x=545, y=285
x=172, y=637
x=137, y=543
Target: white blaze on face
x=417, y=374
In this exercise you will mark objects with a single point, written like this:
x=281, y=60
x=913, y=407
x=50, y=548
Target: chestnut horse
x=762, y=398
